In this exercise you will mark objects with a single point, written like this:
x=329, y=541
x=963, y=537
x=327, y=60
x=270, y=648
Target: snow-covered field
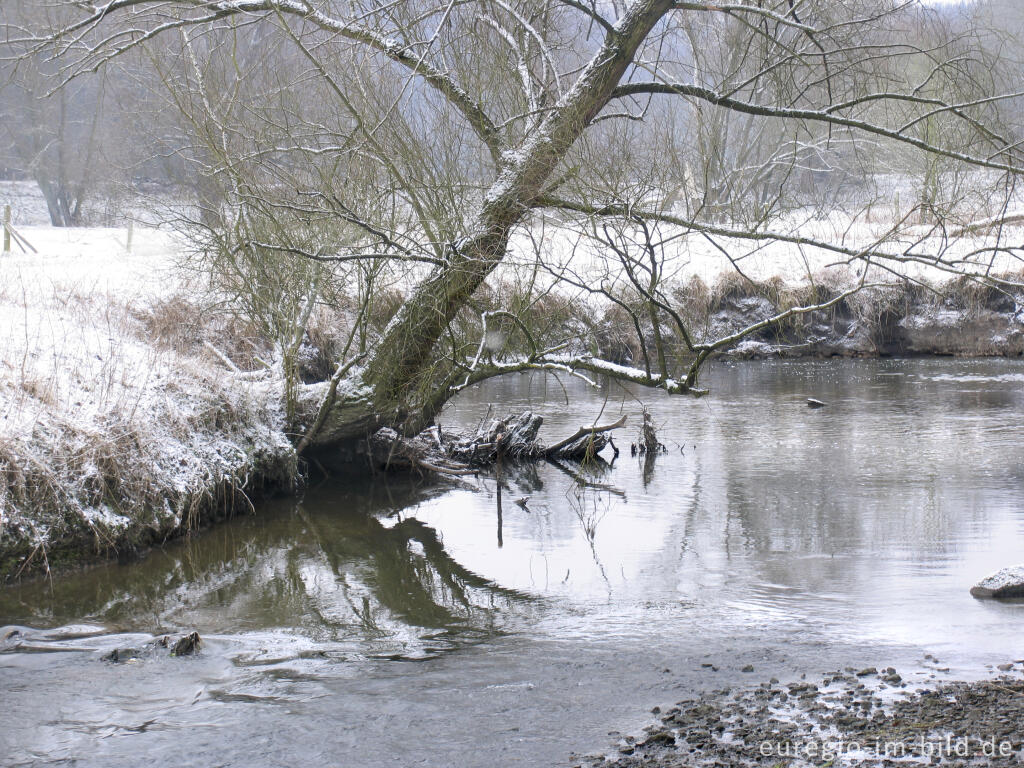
x=69, y=314
x=922, y=253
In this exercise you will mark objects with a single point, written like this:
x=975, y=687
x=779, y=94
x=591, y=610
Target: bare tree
x=437, y=137
x=79, y=141
x=53, y=137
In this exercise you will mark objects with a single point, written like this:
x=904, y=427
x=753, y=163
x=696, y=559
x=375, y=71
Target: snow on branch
x=871, y=253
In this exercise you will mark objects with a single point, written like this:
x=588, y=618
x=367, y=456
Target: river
x=384, y=621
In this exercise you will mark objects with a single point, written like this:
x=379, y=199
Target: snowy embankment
x=110, y=438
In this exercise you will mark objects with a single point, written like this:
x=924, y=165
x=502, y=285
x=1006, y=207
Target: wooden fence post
x=131, y=234
x=7, y=229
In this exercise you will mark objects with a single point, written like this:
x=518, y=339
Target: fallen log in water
x=391, y=450
x=513, y=437
x=586, y=443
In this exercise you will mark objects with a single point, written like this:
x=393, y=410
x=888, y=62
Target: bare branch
x=810, y=115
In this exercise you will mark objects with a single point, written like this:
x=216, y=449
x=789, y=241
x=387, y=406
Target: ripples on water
x=861, y=523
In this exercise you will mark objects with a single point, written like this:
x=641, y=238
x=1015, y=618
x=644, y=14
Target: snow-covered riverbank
x=115, y=433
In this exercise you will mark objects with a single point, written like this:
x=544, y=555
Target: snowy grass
x=115, y=432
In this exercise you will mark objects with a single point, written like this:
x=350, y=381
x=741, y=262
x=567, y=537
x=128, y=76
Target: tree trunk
x=56, y=203
x=395, y=370
x=392, y=389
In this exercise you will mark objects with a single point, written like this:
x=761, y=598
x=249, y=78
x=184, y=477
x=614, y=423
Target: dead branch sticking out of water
x=649, y=442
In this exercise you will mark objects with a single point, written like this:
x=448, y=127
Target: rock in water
x=188, y=645
x=812, y=403
x=120, y=655
x=1008, y=582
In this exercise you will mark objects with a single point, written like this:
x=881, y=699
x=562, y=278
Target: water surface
x=389, y=621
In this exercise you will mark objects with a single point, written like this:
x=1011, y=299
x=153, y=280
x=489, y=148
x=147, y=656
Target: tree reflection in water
x=350, y=567
x=342, y=566
x=590, y=500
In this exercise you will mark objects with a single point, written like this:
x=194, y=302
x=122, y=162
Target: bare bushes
x=976, y=296
x=549, y=316
x=519, y=323
x=962, y=317
x=187, y=326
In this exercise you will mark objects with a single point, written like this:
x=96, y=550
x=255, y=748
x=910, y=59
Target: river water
x=381, y=621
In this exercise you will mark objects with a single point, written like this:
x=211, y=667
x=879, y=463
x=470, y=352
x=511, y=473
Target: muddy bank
x=52, y=540
x=961, y=318
x=852, y=717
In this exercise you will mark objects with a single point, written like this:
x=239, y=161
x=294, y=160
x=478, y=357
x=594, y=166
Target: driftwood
x=586, y=443
x=513, y=437
x=649, y=443
x=392, y=451
x=650, y=436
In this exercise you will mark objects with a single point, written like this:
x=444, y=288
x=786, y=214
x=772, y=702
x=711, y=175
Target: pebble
x=727, y=728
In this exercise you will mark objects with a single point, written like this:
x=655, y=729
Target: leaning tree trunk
x=384, y=392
